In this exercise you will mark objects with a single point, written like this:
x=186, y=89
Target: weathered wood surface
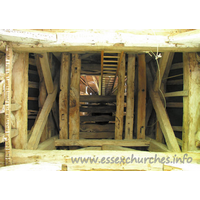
x=156, y=146
x=175, y=82
x=116, y=148
x=100, y=118
x=97, y=108
x=14, y=107
x=141, y=108
x=130, y=97
x=191, y=103
x=49, y=144
x=88, y=142
x=64, y=96
x=97, y=135
x=44, y=61
x=119, y=118
x=176, y=94
x=97, y=99
x=42, y=119
x=88, y=148
x=174, y=104
x=14, y=132
x=162, y=117
x=97, y=127
x=74, y=99
x=20, y=96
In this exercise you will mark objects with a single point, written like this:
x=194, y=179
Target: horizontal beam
x=14, y=132
x=97, y=109
x=175, y=82
x=97, y=127
x=176, y=94
x=97, y=135
x=116, y=148
x=177, y=66
x=32, y=84
x=100, y=118
x=48, y=144
x=97, y=99
x=174, y=104
x=92, y=40
x=177, y=128
x=82, y=142
x=14, y=107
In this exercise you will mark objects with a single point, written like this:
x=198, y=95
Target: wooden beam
x=156, y=146
x=44, y=60
x=42, y=119
x=100, y=118
x=32, y=61
x=191, y=103
x=177, y=66
x=20, y=96
x=175, y=82
x=119, y=118
x=89, y=148
x=177, y=128
x=97, y=135
x=180, y=142
x=14, y=107
x=141, y=110
x=32, y=84
x=97, y=99
x=97, y=109
x=116, y=148
x=95, y=82
x=14, y=132
x=48, y=144
x=176, y=94
x=174, y=104
x=130, y=97
x=88, y=142
x=64, y=96
x=162, y=117
x=74, y=115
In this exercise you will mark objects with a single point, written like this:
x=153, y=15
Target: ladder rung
x=110, y=61
x=111, y=56
x=109, y=65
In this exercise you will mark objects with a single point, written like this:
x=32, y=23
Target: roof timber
x=92, y=40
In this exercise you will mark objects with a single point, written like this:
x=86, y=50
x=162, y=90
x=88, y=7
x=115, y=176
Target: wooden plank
x=95, y=82
x=32, y=61
x=20, y=96
x=32, y=84
x=162, y=117
x=177, y=128
x=159, y=134
x=177, y=66
x=88, y=148
x=100, y=118
x=14, y=133
x=180, y=142
x=97, y=99
x=97, y=135
x=130, y=97
x=116, y=148
x=32, y=98
x=174, y=104
x=42, y=119
x=97, y=127
x=14, y=107
x=119, y=118
x=32, y=72
x=191, y=104
x=176, y=94
x=44, y=61
x=48, y=144
x=141, y=110
x=175, y=82
x=64, y=96
x=74, y=115
x=156, y=146
x=97, y=108
x=88, y=142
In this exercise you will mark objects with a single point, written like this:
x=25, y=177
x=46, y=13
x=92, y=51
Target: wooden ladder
x=110, y=63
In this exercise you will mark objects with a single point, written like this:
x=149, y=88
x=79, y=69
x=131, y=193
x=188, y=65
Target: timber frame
x=134, y=117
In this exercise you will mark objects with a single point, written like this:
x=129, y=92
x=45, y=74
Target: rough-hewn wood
x=141, y=107
x=97, y=99
x=116, y=148
x=42, y=119
x=48, y=144
x=130, y=97
x=100, y=118
x=177, y=128
x=97, y=135
x=175, y=82
x=44, y=61
x=191, y=70
x=174, y=104
x=20, y=96
x=74, y=115
x=119, y=118
x=12, y=119
x=64, y=96
x=156, y=146
x=176, y=94
x=97, y=108
x=88, y=142
x=162, y=117
x=14, y=132
x=97, y=127
x=32, y=84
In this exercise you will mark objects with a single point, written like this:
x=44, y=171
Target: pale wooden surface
x=141, y=108
x=20, y=96
x=64, y=96
x=130, y=97
x=14, y=132
x=74, y=99
x=48, y=144
x=156, y=146
x=119, y=118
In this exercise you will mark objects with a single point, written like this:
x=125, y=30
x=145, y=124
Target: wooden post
x=141, y=112
x=130, y=97
x=191, y=80
x=120, y=101
x=20, y=96
x=64, y=96
x=74, y=115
